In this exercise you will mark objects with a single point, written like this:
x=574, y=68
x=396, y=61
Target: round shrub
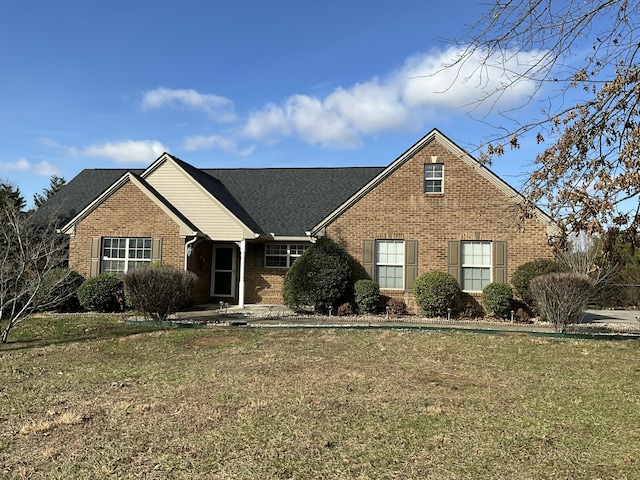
x=562, y=297
x=320, y=277
x=497, y=298
x=435, y=292
x=367, y=296
x=158, y=291
x=521, y=278
x=104, y=293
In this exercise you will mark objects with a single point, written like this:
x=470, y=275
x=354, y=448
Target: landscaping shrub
x=521, y=278
x=497, y=298
x=104, y=293
x=397, y=307
x=435, y=292
x=320, y=277
x=562, y=297
x=157, y=292
x=367, y=296
x=59, y=291
x=345, y=309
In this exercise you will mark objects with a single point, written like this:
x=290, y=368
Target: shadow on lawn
x=60, y=329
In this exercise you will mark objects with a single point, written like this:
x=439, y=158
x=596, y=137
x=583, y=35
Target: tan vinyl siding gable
x=195, y=203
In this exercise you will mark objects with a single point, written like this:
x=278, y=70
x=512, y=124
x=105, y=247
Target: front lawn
x=84, y=397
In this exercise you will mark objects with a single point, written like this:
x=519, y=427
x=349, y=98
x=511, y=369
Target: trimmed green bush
x=521, y=278
x=497, y=298
x=435, y=292
x=367, y=296
x=158, y=291
x=562, y=297
x=319, y=278
x=104, y=293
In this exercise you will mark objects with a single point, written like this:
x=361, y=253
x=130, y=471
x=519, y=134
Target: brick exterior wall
x=129, y=213
x=471, y=208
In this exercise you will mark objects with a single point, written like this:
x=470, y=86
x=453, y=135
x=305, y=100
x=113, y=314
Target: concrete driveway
x=625, y=317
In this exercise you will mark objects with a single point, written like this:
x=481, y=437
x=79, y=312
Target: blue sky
x=231, y=84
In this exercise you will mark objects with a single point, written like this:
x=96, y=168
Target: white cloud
x=217, y=108
x=125, y=151
x=43, y=169
x=402, y=100
x=203, y=142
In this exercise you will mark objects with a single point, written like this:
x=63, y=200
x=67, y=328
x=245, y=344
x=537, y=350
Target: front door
x=224, y=271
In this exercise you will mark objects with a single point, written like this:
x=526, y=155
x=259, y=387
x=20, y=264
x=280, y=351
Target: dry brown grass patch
x=44, y=426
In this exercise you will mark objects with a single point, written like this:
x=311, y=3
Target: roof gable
x=435, y=136
x=186, y=227
x=201, y=198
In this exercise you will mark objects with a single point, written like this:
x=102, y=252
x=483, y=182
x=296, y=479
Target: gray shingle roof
x=289, y=201
x=282, y=201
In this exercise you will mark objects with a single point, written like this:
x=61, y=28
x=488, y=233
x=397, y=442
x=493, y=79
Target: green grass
x=93, y=398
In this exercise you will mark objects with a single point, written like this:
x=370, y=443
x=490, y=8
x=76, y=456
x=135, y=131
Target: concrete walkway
x=595, y=321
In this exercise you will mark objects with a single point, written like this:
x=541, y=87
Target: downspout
x=243, y=251
x=186, y=250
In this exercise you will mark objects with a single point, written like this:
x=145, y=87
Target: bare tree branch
x=582, y=61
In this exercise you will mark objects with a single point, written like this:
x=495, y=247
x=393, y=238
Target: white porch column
x=243, y=251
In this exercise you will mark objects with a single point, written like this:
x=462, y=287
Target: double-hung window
x=434, y=178
x=283, y=255
x=119, y=255
x=389, y=263
x=476, y=265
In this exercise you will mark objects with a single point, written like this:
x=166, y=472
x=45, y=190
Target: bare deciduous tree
x=587, y=82
x=30, y=259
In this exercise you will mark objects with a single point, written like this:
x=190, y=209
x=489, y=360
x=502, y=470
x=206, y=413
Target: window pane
x=113, y=266
x=390, y=252
x=224, y=258
x=222, y=283
x=433, y=170
x=389, y=276
x=475, y=279
x=476, y=253
x=273, y=261
x=433, y=186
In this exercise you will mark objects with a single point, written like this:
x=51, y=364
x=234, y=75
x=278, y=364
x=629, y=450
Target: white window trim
x=465, y=265
x=126, y=259
x=291, y=257
x=441, y=178
x=377, y=264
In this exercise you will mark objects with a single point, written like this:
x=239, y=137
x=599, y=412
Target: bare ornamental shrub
x=562, y=297
x=345, y=309
x=396, y=307
x=157, y=292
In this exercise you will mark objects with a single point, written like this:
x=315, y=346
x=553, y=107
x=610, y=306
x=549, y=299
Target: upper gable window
x=434, y=178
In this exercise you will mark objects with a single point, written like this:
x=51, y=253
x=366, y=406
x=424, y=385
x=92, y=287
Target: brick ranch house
x=433, y=208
